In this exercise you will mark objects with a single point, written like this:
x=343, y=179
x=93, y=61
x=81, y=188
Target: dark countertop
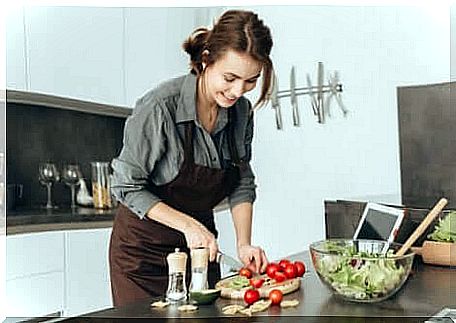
x=428, y=290
x=38, y=220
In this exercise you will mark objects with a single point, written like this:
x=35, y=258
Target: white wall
x=375, y=49
x=453, y=42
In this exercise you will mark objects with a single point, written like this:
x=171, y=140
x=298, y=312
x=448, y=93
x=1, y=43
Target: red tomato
x=275, y=296
x=271, y=269
x=280, y=277
x=300, y=268
x=251, y=296
x=290, y=271
x=283, y=263
x=245, y=272
x=256, y=282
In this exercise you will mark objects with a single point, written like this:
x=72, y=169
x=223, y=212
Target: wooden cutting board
x=287, y=286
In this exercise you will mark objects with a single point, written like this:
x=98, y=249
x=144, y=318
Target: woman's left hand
x=253, y=258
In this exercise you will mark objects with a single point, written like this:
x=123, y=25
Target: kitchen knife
x=275, y=102
x=228, y=261
x=294, y=100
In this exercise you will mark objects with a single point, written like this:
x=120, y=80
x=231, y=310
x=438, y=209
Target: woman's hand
x=253, y=258
x=198, y=236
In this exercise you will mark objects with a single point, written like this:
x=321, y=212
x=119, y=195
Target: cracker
x=159, y=304
x=289, y=303
x=187, y=308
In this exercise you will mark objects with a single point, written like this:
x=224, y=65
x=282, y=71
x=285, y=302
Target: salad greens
x=360, y=275
x=445, y=230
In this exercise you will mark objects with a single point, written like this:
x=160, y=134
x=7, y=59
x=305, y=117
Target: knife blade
x=294, y=101
x=233, y=264
x=275, y=102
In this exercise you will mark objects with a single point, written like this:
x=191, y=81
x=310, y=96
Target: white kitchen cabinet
x=60, y=271
x=87, y=271
x=76, y=52
x=15, y=49
x=34, y=274
x=33, y=296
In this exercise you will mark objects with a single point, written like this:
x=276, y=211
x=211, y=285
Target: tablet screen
x=377, y=225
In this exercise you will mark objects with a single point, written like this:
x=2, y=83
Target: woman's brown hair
x=238, y=30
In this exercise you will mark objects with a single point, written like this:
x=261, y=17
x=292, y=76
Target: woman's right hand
x=198, y=236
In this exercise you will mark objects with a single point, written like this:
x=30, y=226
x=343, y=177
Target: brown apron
x=138, y=248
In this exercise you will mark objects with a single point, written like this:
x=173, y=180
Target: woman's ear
x=204, y=58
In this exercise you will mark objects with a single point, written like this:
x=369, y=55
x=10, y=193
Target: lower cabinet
x=39, y=295
x=34, y=274
x=87, y=272
x=62, y=273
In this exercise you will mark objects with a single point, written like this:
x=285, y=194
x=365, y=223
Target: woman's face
x=230, y=77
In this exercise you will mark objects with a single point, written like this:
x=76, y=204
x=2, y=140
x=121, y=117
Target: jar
x=101, y=185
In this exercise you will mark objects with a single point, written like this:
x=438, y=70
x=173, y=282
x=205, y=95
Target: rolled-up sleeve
x=246, y=190
x=143, y=146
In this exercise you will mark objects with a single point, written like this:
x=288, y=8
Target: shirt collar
x=186, y=106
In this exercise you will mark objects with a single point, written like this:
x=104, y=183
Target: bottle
x=83, y=197
x=200, y=257
x=101, y=185
x=177, y=288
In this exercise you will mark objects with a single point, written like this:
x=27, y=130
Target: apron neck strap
x=188, y=141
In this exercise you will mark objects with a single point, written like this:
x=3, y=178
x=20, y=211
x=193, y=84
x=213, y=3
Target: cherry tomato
x=245, y=272
x=275, y=296
x=280, y=277
x=283, y=263
x=251, y=296
x=290, y=271
x=256, y=282
x=271, y=269
x=300, y=268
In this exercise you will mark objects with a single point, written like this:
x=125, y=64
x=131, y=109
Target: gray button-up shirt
x=153, y=144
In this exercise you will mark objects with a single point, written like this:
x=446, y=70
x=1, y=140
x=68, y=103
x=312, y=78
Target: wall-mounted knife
x=320, y=101
x=275, y=102
x=294, y=100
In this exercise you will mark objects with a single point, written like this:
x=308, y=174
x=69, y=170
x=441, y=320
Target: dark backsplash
x=38, y=134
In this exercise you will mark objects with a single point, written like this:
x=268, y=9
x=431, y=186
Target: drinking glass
x=48, y=175
x=70, y=176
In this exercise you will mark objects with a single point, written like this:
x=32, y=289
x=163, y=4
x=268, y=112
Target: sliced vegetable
x=245, y=272
x=239, y=282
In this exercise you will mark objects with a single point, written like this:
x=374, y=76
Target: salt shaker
x=200, y=258
x=177, y=289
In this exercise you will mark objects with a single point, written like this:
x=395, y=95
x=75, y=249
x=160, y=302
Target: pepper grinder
x=200, y=257
x=177, y=289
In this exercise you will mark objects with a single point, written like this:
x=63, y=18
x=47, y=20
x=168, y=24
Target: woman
x=187, y=146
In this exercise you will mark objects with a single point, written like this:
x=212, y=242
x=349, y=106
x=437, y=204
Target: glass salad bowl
x=361, y=270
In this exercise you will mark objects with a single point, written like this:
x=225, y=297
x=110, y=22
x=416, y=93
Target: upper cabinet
x=100, y=54
x=76, y=52
x=15, y=50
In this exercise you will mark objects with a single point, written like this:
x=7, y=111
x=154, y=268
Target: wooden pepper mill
x=177, y=289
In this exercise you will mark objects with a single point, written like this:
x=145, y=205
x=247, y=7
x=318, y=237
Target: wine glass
x=48, y=175
x=70, y=176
